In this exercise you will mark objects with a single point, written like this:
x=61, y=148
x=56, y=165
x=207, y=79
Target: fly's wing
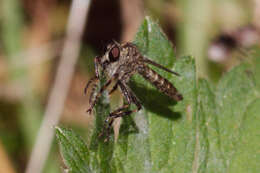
x=160, y=83
x=148, y=61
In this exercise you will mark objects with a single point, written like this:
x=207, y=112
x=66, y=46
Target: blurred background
x=47, y=49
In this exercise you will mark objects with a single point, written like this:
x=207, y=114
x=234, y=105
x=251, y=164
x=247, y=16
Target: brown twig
x=69, y=56
x=6, y=165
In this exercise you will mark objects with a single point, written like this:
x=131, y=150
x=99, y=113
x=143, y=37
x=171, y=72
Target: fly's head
x=116, y=58
x=109, y=62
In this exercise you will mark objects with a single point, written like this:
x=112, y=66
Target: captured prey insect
x=119, y=63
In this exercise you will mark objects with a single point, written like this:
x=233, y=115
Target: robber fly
x=119, y=63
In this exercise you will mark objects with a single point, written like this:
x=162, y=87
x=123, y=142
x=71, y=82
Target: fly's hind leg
x=113, y=89
x=131, y=98
x=122, y=111
x=110, y=119
x=129, y=95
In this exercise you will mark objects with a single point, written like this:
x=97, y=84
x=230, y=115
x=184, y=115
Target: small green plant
x=214, y=129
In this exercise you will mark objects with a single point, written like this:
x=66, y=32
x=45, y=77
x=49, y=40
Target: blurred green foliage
x=29, y=110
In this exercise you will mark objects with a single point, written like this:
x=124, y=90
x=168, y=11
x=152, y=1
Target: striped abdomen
x=160, y=83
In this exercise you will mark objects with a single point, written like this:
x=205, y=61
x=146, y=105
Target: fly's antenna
x=114, y=41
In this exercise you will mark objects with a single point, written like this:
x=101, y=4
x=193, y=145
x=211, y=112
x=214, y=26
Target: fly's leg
x=95, y=78
x=113, y=89
x=129, y=95
x=109, y=121
x=121, y=112
x=96, y=62
x=91, y=100
x=99, y=94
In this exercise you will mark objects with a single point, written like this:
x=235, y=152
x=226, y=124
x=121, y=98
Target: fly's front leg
x=96, y=62
x=99, y=93
x=96, y=77
x=92, y=104
x=93, y=79
x=91, y=100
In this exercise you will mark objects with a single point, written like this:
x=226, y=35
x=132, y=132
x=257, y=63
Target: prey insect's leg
x=100, y=92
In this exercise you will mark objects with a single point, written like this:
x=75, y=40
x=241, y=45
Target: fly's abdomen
x=160, y=83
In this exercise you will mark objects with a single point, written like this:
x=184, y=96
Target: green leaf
x=213, y=129
x=101, y=151
x=165, y=129
x=74, y=151
x=153, y=43
x=247, y=156
x=256, y=69
x=209, y=156
x=183, y=139
x=140, y=150
x=235, y=91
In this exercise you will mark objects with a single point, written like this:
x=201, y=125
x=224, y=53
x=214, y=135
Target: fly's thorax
x=122, y=60
x=111, y=69
x=118, y=66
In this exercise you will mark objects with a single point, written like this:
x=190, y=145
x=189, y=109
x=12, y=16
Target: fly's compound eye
x=114, y=54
